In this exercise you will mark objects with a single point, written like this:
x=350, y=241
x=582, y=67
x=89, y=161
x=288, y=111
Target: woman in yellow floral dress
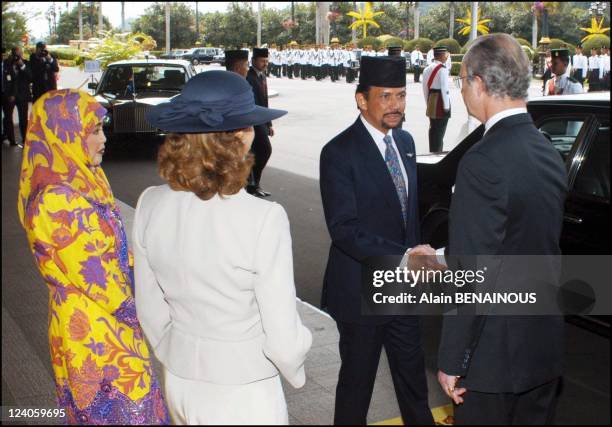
x=103, y=370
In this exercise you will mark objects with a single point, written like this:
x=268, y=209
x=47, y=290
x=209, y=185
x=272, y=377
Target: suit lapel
x=376, y=166
x=409, y=160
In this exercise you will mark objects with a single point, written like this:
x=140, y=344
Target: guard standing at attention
x=435, y=90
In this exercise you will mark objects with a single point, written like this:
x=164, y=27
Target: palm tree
x=467, y=24
x=451, y=24
x=364, y=17
x=595, y=29
x=417, y=16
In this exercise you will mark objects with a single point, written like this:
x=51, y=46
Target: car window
x=160, y=77
x=593, y=178
x=562, y=132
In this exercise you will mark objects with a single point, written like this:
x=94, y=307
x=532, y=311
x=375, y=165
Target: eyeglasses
x=458, y=81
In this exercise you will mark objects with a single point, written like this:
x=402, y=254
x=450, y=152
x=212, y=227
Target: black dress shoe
x=262, y=193
x=251, y=189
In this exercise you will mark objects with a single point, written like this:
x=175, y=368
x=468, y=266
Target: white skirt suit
x=215, y=296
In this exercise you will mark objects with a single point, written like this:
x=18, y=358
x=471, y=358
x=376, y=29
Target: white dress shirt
x=214, y=287
x=502, y=115
x=378, y=138
x=416, y=56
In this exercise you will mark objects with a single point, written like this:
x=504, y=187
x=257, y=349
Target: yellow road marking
x=439, y=414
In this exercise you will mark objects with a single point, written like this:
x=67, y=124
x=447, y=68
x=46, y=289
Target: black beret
x=382, y=71
x=236, y=55
x=259, y=52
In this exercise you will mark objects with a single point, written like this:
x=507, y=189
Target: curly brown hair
x=205, y=163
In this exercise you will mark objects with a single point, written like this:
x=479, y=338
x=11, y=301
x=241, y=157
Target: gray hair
x=501, y=63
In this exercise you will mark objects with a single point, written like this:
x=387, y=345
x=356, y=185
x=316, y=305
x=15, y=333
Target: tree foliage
x=13, y=26
x=118, y=46
x=452, y=45
x=182, y=24
x=68, y=23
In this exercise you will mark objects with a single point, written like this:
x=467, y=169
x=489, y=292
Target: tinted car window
x=593, y=178
x=121, y=80
x=562, y=132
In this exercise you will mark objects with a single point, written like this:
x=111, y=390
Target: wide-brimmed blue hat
x=211, y=101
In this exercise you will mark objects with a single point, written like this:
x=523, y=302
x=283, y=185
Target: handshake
x=422, y=257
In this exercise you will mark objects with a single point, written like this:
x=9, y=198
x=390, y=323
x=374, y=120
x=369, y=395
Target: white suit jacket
x=214, y=287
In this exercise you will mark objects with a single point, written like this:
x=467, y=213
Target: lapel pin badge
x=409, y=154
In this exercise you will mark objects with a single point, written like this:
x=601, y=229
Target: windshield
x=126, y=80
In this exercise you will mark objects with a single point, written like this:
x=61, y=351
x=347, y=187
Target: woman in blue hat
x=213, y=265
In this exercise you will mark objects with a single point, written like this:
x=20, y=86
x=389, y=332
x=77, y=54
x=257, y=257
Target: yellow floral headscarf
x=55, y=152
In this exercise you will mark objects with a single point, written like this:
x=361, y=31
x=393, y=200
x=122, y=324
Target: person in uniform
x=547, y=71
x=261, y=148
x=370, y=200
x=435, y=90
x=579, y=65
x=430, y=56
x=394, y=51
x=593, y=75
x=561, y=83
x=416, y=58
x=604, y=68
x=237, y=61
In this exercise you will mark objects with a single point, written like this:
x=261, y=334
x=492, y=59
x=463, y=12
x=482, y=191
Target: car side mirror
x=92, y=85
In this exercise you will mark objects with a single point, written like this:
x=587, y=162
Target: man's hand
x=448, y=383
x=424, y=257
x=271, y=131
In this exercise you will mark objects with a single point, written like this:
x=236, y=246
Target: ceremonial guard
x=561, y=83
x=430, y=56
x=283, y=57
x=604, y=68
x=593, y=75
x=579, y=65
x=417, y=60
x=261, y=148
x=437, y=98
x=394, y=51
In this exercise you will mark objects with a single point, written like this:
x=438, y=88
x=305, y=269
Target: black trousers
x=360, y=348
x=22, y=112
x=533, y=407
x=594, y=83
x=262, y=150
x=437, y=129
x=417, y=74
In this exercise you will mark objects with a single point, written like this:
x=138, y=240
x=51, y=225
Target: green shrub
x=157, y=53
x=369, y=41
x=529, y=51
x=557, y=44
x=458, y=57
x=67, y=63
x=455, y=67
x=523, y=42
x=66, y=53
x=424, y=43
x=597, y=41
x=466, y=46
x=452, y=45
x=393, y=41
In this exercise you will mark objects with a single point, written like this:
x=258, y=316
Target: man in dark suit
x=44, y=67
x=262, y=149
x=237, y=61
x=508, y=200
x=368, y=185
x=16, y=93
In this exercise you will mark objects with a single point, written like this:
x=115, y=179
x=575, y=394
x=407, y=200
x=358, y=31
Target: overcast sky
x=38, y=25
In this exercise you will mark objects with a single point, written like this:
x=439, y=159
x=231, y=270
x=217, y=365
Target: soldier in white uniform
x=561, y=83
x=604, y=68
x=437, y=98
x=417, y=59
x=579, y=65
x=593, y=70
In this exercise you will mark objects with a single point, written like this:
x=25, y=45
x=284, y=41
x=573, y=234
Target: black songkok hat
x=236, y=55
x=394, y=50
x=560, y=53
x=382, y=71
x=259, y=52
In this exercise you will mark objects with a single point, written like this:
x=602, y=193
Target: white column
x=474, y=32
x=167, y=27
